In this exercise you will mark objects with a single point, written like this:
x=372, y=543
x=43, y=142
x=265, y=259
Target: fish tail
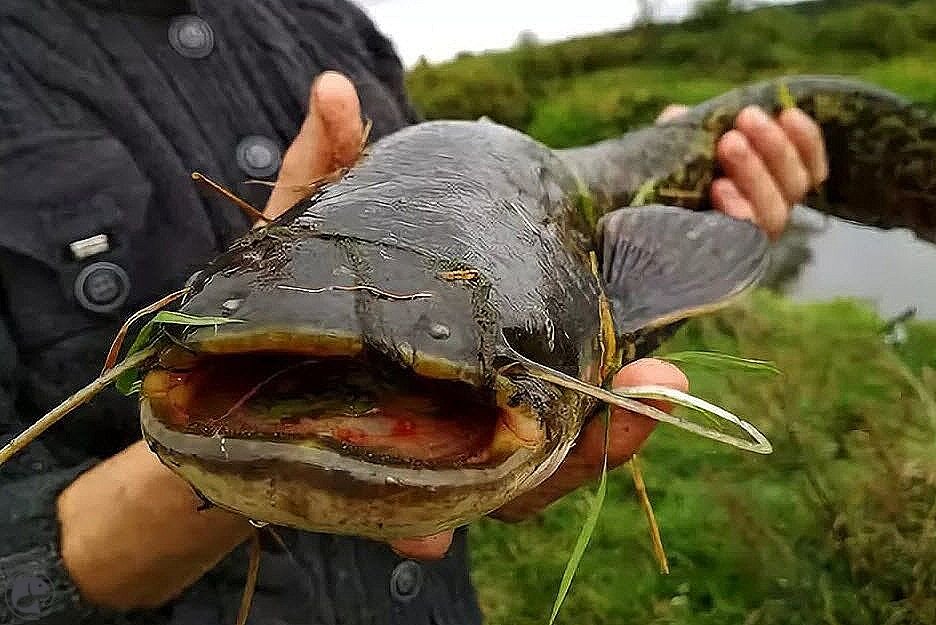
x=881, y=149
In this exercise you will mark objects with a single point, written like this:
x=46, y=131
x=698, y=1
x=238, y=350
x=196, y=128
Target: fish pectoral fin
x=661, y=264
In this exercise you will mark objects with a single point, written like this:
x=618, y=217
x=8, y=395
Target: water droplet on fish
x=391, y=480
x=230, y=306
x=439, y=331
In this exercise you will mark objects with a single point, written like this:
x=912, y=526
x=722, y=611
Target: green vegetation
x=582, y=90
x=838, y=526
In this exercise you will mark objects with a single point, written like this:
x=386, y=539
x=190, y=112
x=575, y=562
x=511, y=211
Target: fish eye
x=439, y=331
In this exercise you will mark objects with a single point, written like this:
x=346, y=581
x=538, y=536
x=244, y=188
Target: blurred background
x=838, y=526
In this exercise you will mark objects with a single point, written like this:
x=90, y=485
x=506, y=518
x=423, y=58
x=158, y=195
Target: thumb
x=329, y=139
x=425, y=548
x=629, y=430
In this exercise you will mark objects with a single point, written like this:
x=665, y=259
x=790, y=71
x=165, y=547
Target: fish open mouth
x=362, y=406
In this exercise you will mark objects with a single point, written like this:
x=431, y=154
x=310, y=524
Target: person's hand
x=627, y=433
x=770, y=165
x=330, y=139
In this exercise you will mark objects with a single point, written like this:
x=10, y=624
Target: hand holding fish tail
x=770, y=164
x=583, y=464
x=879, y=145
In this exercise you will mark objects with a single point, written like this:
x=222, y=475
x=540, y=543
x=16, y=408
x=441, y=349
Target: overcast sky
x=440, y=29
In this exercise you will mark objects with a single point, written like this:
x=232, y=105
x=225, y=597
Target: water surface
x=890, y=269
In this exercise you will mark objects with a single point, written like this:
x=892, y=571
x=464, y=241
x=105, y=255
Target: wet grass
x=838, y=526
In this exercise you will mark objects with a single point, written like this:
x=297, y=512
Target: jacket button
x=406, y=581
x=258, y=156
x=191, y=36
x=102, y=287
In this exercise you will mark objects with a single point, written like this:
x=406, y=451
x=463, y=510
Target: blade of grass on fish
x=644, y=498
x=159, y=304
x=588, y=528
x=717, y=360
x=126, y=382
x=182, y=319
x=82, y=396
x=626, y=397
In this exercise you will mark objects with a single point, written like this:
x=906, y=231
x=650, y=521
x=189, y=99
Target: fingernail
x=757, y=117
x=735, y=145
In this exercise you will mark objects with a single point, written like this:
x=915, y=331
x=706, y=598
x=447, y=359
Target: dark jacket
x=106, y=107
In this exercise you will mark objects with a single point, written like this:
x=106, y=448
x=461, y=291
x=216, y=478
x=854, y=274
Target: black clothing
x=106, y=107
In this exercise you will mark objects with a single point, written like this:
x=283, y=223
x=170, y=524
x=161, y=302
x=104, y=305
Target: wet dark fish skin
x=497, y=230
x=478, y=215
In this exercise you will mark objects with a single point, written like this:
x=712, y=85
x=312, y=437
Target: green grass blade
x=588, y=529
x=717, y=360
x=169, y=316
x=646, y=193
x=127, y=383
x=784, y=96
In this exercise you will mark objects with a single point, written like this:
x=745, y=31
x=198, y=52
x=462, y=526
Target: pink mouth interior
x=341, y=402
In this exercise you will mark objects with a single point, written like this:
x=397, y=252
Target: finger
x=671, y=112
x=628, y=430
x=426, y=548
x=753, y=180
x=777, y=152
x=339, y=109
x=329, y=139
x=727, y=199
x=806, y=135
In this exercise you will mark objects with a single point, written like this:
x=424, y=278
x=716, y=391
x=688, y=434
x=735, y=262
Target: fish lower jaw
x=320, y=489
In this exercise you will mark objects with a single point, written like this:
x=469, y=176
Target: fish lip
x=352, y=497
x=513, y=425
x=305, y=341
x=227, y=449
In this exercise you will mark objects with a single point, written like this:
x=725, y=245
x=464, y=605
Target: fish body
x=468, y=238
x=423, y=339
x=409, y=291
